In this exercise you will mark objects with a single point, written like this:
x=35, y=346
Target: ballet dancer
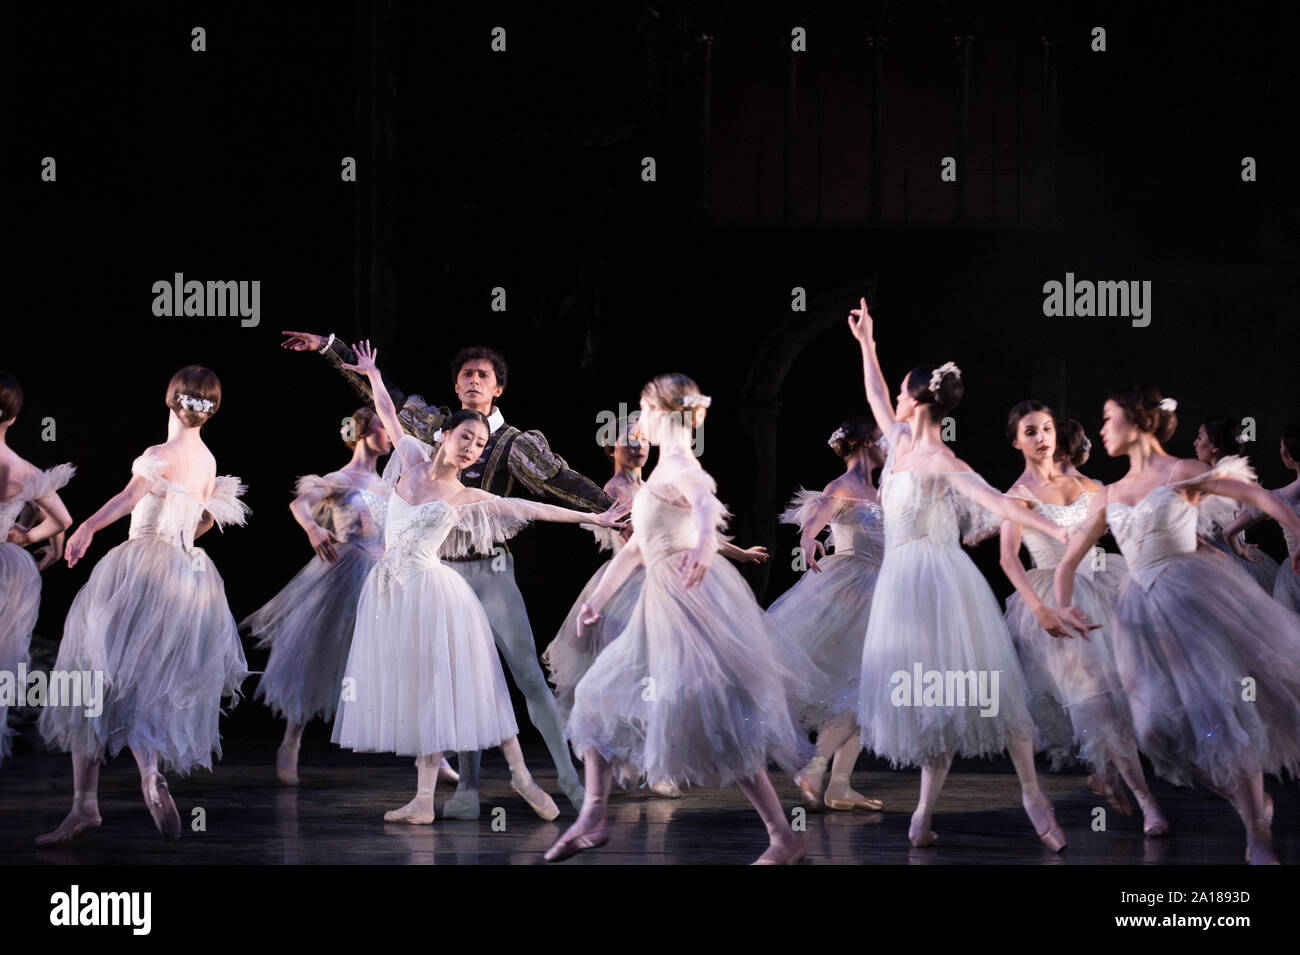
x=510, y=457
x=932, y=609
x=699, y=686
x=23, y=485
x=153, y=619
x=422, y=674
x=1286, y=586
x=826, y=611
x=308, y=625
x=1190, y=629
x=1216, y=438
x=1076, y=697
x=569, y=656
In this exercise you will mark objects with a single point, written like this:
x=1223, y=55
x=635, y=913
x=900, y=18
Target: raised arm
x=863, y=328
x=384, y=406
x=337, y=353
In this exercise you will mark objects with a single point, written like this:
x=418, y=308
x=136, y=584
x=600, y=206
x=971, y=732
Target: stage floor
x=335, y=817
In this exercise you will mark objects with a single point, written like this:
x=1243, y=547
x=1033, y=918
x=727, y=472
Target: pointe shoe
x=1108, y=785
x=847, y=799
x=286, y=765
x=158, y=799
x=1268, y=823
x=446, y=774
x=666, y=789
x=67, y=832
x=917, y=837
x=1154, y=823
x=571, y=843
x=779, y=855
x=412, y=815
x=1045, y=816
x=536, y=797
x=811, y=792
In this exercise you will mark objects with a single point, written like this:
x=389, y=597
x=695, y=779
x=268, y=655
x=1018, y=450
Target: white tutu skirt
x=699, y=688
x=569, y=657
x=1075, y=695
x=1183, y=649
x=1286, y=587
x=154, y=621
x=423, y=675
x=308, y=626
x=825, y=615
x=933, y=612
x=20, y=602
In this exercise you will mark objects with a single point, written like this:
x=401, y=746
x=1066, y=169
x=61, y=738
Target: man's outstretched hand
x=303, y=341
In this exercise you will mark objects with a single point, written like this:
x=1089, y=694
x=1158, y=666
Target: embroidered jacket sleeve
x=418, y=417
x=545, y=473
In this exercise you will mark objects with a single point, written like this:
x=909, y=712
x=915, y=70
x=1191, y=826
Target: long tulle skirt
x=1075, y=695
x=1211, y=667
x=308, y=626
x=825, y=614
x=700, y=688
x=1286, y=587
x=20, y=602
x=939, y=672
x=569, y=657
x=423, y=675
x=154, y=622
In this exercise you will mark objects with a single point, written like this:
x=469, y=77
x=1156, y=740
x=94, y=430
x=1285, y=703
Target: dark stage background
x=523, y=169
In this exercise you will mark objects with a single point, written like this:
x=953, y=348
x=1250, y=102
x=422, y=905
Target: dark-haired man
x=479, y=375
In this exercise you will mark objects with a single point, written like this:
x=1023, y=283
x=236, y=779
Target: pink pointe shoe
x=919, y=834
x=783, y=855
x=158, y=799
x=574, y=841
x=1044, y=822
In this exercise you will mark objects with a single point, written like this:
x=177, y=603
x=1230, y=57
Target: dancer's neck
x=1144, y=453
x=858, y=467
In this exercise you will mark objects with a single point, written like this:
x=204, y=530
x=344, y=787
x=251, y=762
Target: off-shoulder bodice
x=1046, y=552
x=857, y=524
x=172, y=513
x=37, y=485
x=664, y=523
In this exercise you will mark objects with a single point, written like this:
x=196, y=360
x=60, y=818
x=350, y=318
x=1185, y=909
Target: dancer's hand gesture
x=322, y=542
x=18, y=535
x=810, y=547
x=303, y=341
x=861, y=323
x=1077, y=620
x=50, y=553
x=695, y=563
x=1245, y=551
x=587, y=617
x=1051, y=621
x=78, y=544
x=366, y=358
x=611, y=517
x=752, y=555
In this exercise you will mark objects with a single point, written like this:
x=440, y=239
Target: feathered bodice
x=170, y=512
x=927, y=505
x=857, y=524
x=1046, y=552
x=38, y=485
x=664, y=520
x=1162, y=525
x=417, y=535
x=355, y=515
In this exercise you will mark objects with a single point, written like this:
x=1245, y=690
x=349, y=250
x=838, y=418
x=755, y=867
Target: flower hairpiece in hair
x=190, y=403
x=1241, y=438
x=1087, y=445
x=936, y=376
x=691, y=401
x=1168, y=404
x=836, y=435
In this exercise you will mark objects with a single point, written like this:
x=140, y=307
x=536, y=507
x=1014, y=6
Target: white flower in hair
x=839, y=433
x=692, y=401
x=1241, y=438
x=937, y=376
x=1087, y=445
x=190, y=403
x=1168, y=404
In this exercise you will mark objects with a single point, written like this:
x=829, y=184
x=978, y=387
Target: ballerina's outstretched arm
x=1252, y=495
x=117, y=507
x=966, y=482
x=862, y=326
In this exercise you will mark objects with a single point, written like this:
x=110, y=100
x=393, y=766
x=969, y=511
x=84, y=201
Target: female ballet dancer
x=308, y=625
x=570, y=655
x=1211, y=666
x=1216, y=438
x=153, y=619
x=933, y=610
x=1286, y=586
x=423, y=676
x=1076, y=697
x=22, y=484
x=826, y=611
x=699, y=686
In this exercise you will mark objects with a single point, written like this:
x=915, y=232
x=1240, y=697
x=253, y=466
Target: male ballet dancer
x=510, y=455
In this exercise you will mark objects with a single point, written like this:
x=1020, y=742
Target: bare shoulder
x=473, y=495
x=1088, y=484
x=1184, y=468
